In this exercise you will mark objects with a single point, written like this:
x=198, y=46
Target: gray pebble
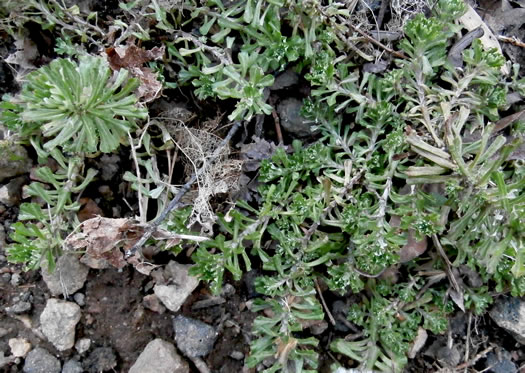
x=5, y=278
x=15, y=279
x=80, y=299
x=40, y=360
x=18, y=308
x=194, y=338
x=237, y=355
x=72, y=366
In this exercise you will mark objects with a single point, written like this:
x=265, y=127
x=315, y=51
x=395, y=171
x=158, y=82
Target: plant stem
x=185, y=188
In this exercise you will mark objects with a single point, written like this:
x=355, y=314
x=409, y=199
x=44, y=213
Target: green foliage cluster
x=67, y=110
x=412, y=154
x=392, y=146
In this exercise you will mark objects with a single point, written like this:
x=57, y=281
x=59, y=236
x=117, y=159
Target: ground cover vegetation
x=406, y=191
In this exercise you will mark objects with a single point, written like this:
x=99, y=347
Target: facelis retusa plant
x=411, y=181
x=67, y=110
x=410, y=156
x=78, y=107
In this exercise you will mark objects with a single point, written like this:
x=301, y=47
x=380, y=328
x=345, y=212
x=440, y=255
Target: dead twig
x=327, y=310
x=449, y=273
x=374, y=41
x=467, y=347
x=185, y=188
x=511, y=40
x=474, y=359
x=277, y=127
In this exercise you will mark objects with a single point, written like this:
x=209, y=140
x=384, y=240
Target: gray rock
x=2, y=239
x=82, y=345
x=194, y=338
x=15, y=279
x=109, y=166
x=101, y=359
x=19, y=347
x=500, y=363
x=237, y=355
x=14, y=160
x=4, y=360
x=449, y=356
x=41, y=361
x=173, y=296
x=285, y=80
x=58, y=321
x=291, y=120
x=5, y=278
x=159, y=356
x=509, y=314
x=151, y=302
x=68, y=276
x=80, y=299
x=11, y=193
x=72, y=366
x=19, y=307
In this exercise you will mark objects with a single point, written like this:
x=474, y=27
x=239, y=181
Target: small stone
x=237, y=355
x=72, y=366
x=19, y=347
x=227, y=290
x=68, y=276
x=80, y=299
x=4, y=332
x=14, y=161
x=173, y=296
x=5, y=360
x=19, y=308
x=58, y=321
x=5, y=278
x=15, y=279
x=285, y=80
x=159, y=356
x=291, y=119
x=501, y=362
x=101, y=359
x=509, y=314
x=109, y=165
x=40, y=360
x=194, y=338
x=449, y=356
x=319, y=327
x=152, y=302
x=11, y=193
x=82, y=345
x=2, y=242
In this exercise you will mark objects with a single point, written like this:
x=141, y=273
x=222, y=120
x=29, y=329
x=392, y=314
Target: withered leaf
x=130, y=55
x=133, y=58
x=102, y=239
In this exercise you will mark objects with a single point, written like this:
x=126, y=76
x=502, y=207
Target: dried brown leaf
x=102, y=238
x=133, y=58
x=130, y=56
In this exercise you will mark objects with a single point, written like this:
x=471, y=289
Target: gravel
x=68, y=277
x=40, y=360
x=509, y=314
x=58, y=321
x=182, y=285
x=159, y=356
x=194, y=338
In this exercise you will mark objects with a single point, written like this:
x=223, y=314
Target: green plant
x=69, y=108
x=409, y=160
x=402, y=150
x=56, y=219
x=76, y=107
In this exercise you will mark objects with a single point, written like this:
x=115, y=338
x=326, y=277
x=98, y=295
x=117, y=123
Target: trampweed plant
x=66, y=110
